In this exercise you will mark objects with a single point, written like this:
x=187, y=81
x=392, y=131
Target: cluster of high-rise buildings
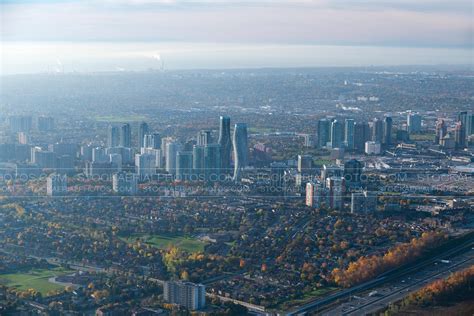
x=457, y=137
x=128, y=160
x=352, y=135
x=202, y=159
x=333, y=184
x=372, y=137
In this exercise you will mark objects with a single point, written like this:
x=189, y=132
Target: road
x=321, y=304
x=363, y=304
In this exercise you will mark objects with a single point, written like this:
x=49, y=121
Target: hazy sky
x=231, y=33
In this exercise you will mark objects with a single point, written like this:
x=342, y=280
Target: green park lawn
x=184, y=243
x=34, y=279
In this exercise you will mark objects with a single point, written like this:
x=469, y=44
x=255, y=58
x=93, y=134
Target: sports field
x=184, y=243
x=34, y=279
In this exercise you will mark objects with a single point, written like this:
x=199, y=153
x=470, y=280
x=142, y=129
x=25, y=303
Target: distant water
x=34, y=57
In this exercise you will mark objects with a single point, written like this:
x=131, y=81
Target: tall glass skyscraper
x=387, y=130
x=336, y=134
x=198, y=161
x=212, y=162
x=349, y=134
x=142, y=131
x=324, y=132
x=171, y=149
x=113, y=136
x=225, y=143
x=413, y=122
x=204, y=138
x=240, y=149
x=126, y=136
x=184, y=165
x=377, y=130
x=361, y=135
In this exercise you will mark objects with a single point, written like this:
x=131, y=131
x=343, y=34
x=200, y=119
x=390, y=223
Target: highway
x=320, y=305
x=394, y=291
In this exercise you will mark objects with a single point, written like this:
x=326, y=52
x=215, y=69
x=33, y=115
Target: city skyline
x=236, y=157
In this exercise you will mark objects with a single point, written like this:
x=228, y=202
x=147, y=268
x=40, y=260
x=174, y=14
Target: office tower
x=126, y=136
x=204, y=138
x=99, y=170
x=225, y=142
x=310, y=191
x=336, y=134
x=308, y=140
x=198, y=161
x=240, y=149
x=188, y=145
x=324, y=132
x=377, y=130
x=413, y=123
x=460, y=135
x=349, y=134
x=64, y=164
x=470, y=125
x=315, y=194
x=335, y=192
x=43, y=159
x=152, y=141
x=387, y=130
x=7, y=152
x=23, y=138
x=164, y=144
x=64, y=149
x=113, y=136
x=328, y=171
x=116, y=161
x=361, y=135
x=142, y=131
x=157, y=153
x=126, y=153
x=99, y=155
x=462, y=117
x=441, y=131
x=20, y=123
x=184, y=165
x=372, y=148
x=86, y=152
x=305, y=163
x=212, y=162
x=125, y=183
x=56, y=185
x=363, y=202
x=467, y=120
x=21, y=152
x=171, y=149
x=402, y=135
x=189, y=295
x=352, y=173
x=45, y=123
x=144, y=165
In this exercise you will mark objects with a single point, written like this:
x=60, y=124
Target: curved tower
x=240, y=149
x=225, y=142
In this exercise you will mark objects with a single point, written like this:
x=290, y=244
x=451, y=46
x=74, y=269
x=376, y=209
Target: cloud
x=342, y=22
